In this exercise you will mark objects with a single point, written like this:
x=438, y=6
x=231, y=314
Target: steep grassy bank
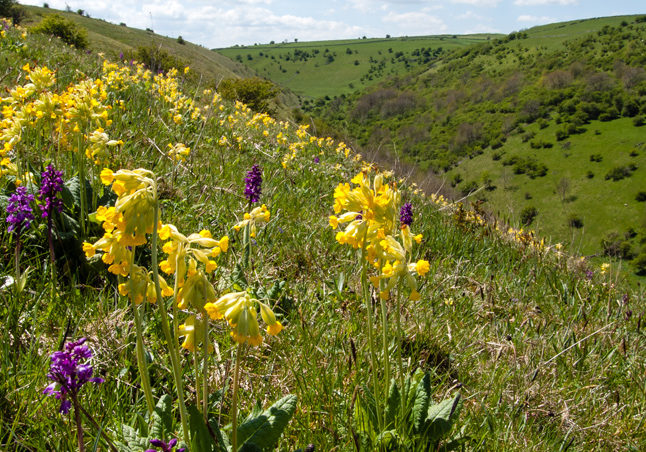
x=545, y=348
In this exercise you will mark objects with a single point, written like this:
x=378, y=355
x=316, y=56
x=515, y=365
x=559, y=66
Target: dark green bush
x=639, y=121
x=527, y=215
x=574, y=221
x=640, y=264
x=69, y=32
x=641, y=196
x=596, y=158
x=619, y=172
x=256, y=92
x=156, y=59
x=12, y=10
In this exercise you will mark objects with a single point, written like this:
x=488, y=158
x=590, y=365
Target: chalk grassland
x=545, y=348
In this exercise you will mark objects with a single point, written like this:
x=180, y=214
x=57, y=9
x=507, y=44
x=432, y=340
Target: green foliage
x=155, y=58
x=641, y=196
x=527, y=215
x=255, y=92
x=68, y=31
x=619, y=172
x=412, y=421
x=161, y=427
x=261, y=430
x=12, y=10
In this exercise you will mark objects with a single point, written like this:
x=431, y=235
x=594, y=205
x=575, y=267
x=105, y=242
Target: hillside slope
x=505, y=116
x=544, y=348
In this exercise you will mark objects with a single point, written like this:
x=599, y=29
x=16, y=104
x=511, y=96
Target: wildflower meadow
x=179, y=272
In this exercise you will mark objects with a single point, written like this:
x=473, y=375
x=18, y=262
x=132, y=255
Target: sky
x=225, y=23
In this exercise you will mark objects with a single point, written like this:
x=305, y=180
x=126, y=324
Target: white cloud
x=415, y=23
x=535, y=19
x=480, y=3
x=544, y=2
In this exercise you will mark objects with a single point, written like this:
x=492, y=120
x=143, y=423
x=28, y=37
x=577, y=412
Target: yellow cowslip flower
x=258, y=215
x=140, y=286
x=196, y=292
x=42, y=78
x=193, y=332
x=100, y=143
x=178, y=152
x=200, y=247
x=137, y=198
x=239, y=309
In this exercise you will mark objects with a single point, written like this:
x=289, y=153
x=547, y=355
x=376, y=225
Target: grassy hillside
x=318, y=69
x=115, y=39
x=532, y=348
x=547, y=98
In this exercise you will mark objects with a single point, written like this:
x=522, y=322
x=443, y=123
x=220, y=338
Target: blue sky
x=225, y=23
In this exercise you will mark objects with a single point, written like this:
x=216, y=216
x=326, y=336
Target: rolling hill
x=521, y=119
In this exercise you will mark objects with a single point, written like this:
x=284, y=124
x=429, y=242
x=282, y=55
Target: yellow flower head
x=239, y=309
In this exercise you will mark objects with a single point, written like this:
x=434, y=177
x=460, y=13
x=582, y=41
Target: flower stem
x=79, y=426
x=234, y=400
x=386, y=354
x=139, y=347
x=141, y=363
x=371, y=339
x=172, y=344
x=205, y=367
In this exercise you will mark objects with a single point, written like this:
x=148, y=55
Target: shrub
x=589, y=175
x=640, y=264
x=527, y=215
x=69, y=32
x=469, y=187
x=256, y=92
x=639, y=121
x=561, y=134
x=614, y=246
x=156, y=59
x=596, y=157
x=641, y=196
x=574, y=221
x=180, y=40
x=11, y=9
x=619, y=172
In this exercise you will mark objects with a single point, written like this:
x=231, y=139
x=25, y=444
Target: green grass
x=603, y=205
x=545, y=355
x=355, y=64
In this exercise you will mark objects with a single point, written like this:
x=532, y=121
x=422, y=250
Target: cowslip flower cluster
x=253, y=184
x=127, y=223
x=370, y=212
x=69, y=372
x=20, y=211
x=257, y=215
x=239, y=309
x=163, y=446
x=200, y=247
x=50, y=185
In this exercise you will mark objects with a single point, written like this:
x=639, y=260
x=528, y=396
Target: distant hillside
x=324, y=69
x=547, y=125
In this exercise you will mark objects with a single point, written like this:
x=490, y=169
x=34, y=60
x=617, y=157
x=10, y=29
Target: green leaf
x=265, y=429
x=440, y=417
x=420, y=404
x=388, y=440
x=393, y=405
x=162, y=421
x=200, y=438
x=365, y=414
x=132, y=438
